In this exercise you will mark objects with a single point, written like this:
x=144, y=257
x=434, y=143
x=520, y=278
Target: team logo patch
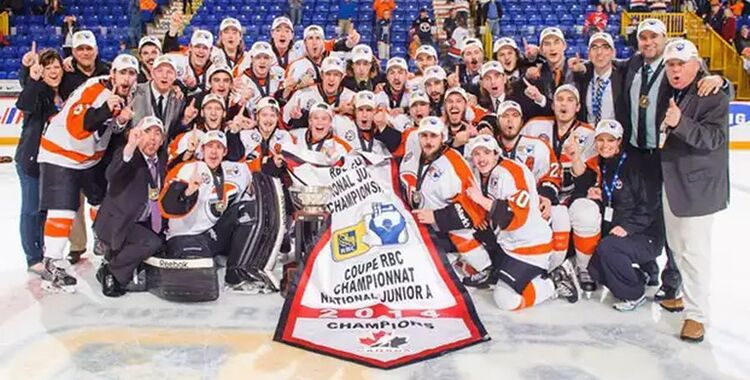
x=618, y=184
x=544, y=137
x=233, y=171
x=408, y=156
x=206, y=178
x=382, y=341
x=255, y=137
x=349, y=135
x=434, y=172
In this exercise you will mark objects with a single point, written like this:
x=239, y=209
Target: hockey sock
x=585, y=247
x=56, y=232
x=537, y=291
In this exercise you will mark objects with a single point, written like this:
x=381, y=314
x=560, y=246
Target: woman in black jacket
x=614, y=180
x=39, y=101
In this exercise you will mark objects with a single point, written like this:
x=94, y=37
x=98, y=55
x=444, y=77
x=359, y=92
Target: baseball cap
x=612, y=127
x=507, y=105
x=652, y=24
x=282, y=20
x=361, y=52
x=84, y=38
x=503, y=42
x=331, y=64
x=457, y=90
x=426, y=49
x=213, y=98
x=321, y=107
x=267, y=102
x=482, y=141
x=125, y=61
x=218, y=68
x=569, y=88
x=551, y=31
x=418, y=97
x=471, y=42
x=680, y=49
x=491, y=66
x=149, y=40
x=364, y=99
x=261, y=47
x=230, y=22
x=314, y=30
x=396, y=62
x=151, y=121
x=606, y=37
x=164, y=60
x=202, y=37
x=432, y=124
x=434, y=73
x=214, y=136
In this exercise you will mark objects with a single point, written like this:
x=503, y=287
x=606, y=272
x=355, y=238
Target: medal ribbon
x=609, y=188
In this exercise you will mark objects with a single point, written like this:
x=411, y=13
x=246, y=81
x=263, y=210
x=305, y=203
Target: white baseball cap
x=314, y=30
x=213, y=98
x=653, y=25
x=151, y=121
x=332, y=64
x=432, y=124
x=606, y=37
x=418, y=97
x=361, y=52
x=472, y=42
x=503, y=42
x=612, y=127
x=84, y=38
x=214, y=136
x=507, y=105
x=396, y=62
x=164, y=60
x=125, y=61
x=680, y=49
x=457, y=90
x=321, y=107
x=434, y=73
x=426, y=49
x=482, y=141
x=364, y=99
x=261, y=47
x=146, y=40
x=282, y=20
x=215, y=68
x=202, y=37
x=491, y=66
x=569, y=88
x=230, y=22
x=267, y=102
x=551, y=31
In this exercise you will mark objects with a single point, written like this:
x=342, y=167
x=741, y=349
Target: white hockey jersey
x=346, y=129
x=64, y=141
x=537, y=156
x=308, y=97
x=253, y=142
x=260, y=88
x=339, y=146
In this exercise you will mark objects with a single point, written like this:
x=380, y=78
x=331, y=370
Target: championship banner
x=374, y=289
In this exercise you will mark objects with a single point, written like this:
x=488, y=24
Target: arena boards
x=374, y=290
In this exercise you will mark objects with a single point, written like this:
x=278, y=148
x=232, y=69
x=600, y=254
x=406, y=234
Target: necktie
x=160, y=108
x=558, y=75
x=645, y=73
x=153, y=205
x=497, y=104
x=596, y=102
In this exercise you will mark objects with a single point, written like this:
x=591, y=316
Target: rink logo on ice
x=381, y=341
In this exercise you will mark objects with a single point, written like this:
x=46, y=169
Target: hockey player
x=364, y=74
x=206, y=207
x=467, y=74
x=434, y=81
x=573, y=143
x=319, y=137
x=305, y=71
x=369, y=131
x=394, y=90
x=554, y=71
x=460, y=117
x=262, y=145
x=495, y=89
x=184, y=147
x=329, y=91
x=261, y=74
x=426, y=56
x=230, y=49
x=72, y=144
x=149, y=47
x=436, y=178
x=197, y=55
x=282, y=41
x=509, y=197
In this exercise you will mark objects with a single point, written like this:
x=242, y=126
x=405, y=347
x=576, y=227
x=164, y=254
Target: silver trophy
x=310, y=199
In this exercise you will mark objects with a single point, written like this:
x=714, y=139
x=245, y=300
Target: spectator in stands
x=68, y=28
x=638, y=6
x=596, y=21
x=295, y=11
x=715, y=18
x=135, y=29
x=729, y=26
x=742, y=41
x=380, y=7
x=384, y=36
x=493, y=12
x=347, y=8
x=610, y=6
x=737, y=7
x=632, y=33
x=423, y=26
x=39, y=100
x=657, y=6
x=53, y=10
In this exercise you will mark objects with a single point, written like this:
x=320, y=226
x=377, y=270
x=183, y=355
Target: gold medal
x=221, y=206
x=644, y=102
x=416, y=200
x=153, y=193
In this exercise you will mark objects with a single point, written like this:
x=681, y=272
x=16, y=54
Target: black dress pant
x=614, y=264
x=140, y=244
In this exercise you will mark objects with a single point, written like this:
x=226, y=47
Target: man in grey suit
x=158, y=97
x=695, y=167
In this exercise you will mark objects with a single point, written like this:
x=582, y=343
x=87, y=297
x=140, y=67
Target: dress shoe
x=75, y=256
x=110, y=286
x=692, y=331
x=673, y=305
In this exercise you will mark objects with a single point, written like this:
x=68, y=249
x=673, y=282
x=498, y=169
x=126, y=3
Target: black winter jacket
x=37, y=101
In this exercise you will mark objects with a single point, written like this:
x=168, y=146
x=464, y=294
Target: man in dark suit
x=129, y=220
x=695, y=166
x=158, y=97
x=495, y=89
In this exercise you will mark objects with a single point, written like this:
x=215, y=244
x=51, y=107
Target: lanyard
x=511, y=154
x=318, y=77
x=364, y=142
x=232, y=62
x=394, y=101
x=557, y=140
x=264, y=90
x=645, y=90
x=319, y=146
x=609, y=188
x=422, y=170
x=337, y=96
x=283, y=58
x=265, y=143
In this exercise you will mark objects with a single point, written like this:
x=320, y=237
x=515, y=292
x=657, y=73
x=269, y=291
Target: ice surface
x=88, y=336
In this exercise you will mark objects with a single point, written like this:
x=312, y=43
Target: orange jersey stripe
x=74, y=118
x=476, y=213
x=58, y=227
x=528, y=297
x=75, y=156
x=519, y=202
